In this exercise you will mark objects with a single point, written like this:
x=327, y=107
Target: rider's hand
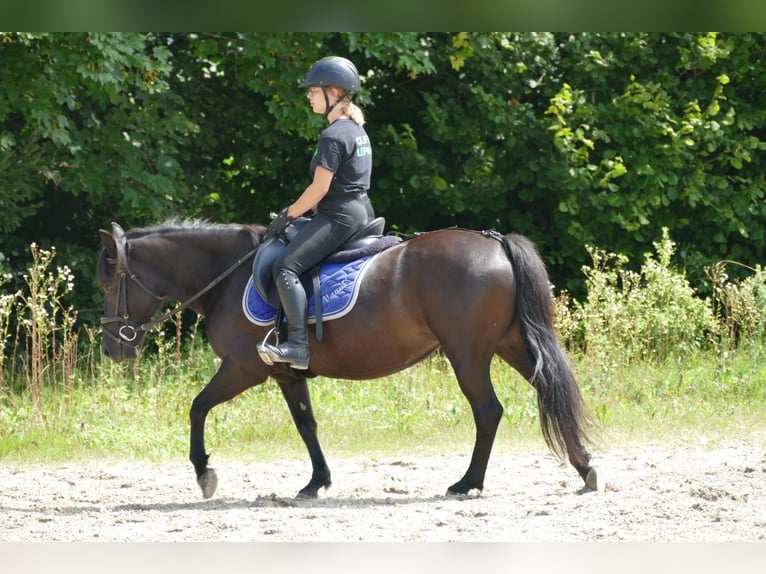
x=279, y=223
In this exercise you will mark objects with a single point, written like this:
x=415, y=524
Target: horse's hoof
x=307, y=495
x=311, y=490
x=594, y=480
x=462, y=488
x=208, y=482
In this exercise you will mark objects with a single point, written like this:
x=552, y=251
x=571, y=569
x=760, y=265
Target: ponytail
x=353, y=111
x=349, y=108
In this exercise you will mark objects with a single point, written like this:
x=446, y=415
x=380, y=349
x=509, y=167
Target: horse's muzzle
x=118, y=352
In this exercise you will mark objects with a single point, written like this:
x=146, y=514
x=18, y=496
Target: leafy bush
x=740, y=306
x=645, y=316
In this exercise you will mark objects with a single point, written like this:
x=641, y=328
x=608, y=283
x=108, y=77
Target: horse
x=472, y=294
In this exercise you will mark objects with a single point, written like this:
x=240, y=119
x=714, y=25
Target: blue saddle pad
x=338, y=285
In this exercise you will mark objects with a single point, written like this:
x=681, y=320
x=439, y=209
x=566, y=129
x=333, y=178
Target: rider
x=341, y=168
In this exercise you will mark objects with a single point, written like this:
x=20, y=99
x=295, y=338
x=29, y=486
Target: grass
x=706, y=396
x=136, y=412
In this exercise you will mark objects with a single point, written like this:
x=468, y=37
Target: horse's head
x=128, y=303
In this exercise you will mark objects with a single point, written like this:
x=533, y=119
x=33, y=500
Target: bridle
x=128, y=331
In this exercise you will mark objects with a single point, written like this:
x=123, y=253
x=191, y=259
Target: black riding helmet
x=333, y=71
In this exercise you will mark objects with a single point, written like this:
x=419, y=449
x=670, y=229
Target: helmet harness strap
x=328, y=106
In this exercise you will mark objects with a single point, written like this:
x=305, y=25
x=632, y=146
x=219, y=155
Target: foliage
x=571, y=138
x=662, y=131
x=739, y=306
x=642, y=317
x=7, y=302
x=45, y=342
x=87, y=123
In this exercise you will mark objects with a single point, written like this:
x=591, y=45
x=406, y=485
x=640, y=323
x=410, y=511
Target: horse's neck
x=185, y=263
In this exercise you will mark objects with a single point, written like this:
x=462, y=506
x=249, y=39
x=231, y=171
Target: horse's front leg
x=296, y=393
x=226, y=384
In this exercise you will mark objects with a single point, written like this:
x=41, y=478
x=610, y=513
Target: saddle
x=366, y=241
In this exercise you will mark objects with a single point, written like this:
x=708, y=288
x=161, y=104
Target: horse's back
x=450, y=287
x=451, y=264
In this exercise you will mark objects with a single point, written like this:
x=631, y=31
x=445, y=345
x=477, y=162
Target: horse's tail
x=560, y=404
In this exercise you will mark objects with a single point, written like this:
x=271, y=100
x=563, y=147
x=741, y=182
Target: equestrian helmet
x=333, y=71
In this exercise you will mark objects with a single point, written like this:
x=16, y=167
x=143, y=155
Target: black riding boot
x=296, y=349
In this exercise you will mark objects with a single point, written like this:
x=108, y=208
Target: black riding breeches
x=337, y=219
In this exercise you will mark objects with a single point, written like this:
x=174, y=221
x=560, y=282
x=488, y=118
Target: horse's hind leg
x=296, y=394
x=474, y=380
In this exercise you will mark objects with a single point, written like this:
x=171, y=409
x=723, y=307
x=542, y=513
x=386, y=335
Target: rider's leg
x=296, y=349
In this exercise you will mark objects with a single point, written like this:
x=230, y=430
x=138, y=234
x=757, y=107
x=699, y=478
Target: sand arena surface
x=659, y=493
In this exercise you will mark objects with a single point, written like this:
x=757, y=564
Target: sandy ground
x=658, y=493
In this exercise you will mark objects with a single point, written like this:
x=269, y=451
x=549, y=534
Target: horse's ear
x=117, y=231
x=107, y=240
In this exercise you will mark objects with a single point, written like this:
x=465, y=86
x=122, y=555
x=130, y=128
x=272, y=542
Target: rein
x=181, y=306
x=129, y=331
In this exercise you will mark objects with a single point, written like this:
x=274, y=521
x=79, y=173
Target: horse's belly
x=368, y=352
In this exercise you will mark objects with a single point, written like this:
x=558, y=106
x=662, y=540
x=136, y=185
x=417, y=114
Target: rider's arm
x=311, y=196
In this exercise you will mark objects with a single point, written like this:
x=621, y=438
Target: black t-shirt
x=344, y=149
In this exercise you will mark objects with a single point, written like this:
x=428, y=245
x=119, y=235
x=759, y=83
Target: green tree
x=660, y=130
x=89, y=132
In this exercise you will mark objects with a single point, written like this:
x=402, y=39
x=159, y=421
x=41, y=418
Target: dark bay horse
x=474, y=294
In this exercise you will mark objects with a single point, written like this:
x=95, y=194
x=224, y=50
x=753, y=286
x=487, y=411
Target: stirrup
x=262, y=352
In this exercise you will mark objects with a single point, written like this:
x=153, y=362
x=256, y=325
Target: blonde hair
x=353, y=111
x=349, y=108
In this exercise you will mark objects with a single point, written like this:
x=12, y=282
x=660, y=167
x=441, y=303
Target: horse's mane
x=199, y=226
